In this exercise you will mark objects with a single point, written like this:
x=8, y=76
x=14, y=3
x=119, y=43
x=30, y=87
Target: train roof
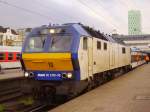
x=88, y=31
x=10, y=49
x=94, y=33
x=81, y=30
x=109, y=38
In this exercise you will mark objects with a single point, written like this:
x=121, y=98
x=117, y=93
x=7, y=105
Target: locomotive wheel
x=91, y=84
x=98, y=79
x=35, y=93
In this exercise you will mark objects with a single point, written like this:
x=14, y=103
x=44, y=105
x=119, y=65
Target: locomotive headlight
x=26, y=74
x=69, y=75
x=52, y=31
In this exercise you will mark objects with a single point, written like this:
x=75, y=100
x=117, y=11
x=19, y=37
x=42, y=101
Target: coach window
x=105, y=46
x=18, y=56
x=84, y=43
x=123, y=50
x=10, y=56
x=98, y=45
x=2, y=56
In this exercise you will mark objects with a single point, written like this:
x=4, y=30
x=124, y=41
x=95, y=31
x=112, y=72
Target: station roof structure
x=139, y=41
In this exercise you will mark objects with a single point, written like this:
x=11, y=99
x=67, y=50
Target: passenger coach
x=10, y=57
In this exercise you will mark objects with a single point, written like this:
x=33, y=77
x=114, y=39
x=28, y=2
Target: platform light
x=26, y=74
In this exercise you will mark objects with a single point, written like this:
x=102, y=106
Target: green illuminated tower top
x=134, y=22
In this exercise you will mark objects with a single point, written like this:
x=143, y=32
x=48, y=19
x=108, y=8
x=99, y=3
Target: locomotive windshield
x=60, y=43
x=35, y=44
x=56, y=43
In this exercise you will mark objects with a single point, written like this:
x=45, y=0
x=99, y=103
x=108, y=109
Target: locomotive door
x=111, y=56
x=86, y=57
x=90, y=56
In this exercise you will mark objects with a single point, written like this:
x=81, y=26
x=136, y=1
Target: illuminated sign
x=49, y=75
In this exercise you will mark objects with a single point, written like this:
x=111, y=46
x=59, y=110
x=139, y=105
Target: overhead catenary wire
x=25, y=9
x=51, y=18
x=45, y=6
x=91, y=9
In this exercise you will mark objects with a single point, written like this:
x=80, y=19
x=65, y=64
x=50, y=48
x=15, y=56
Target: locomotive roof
x=83, y=30
x=88, y=31
x=98, y=34
x=94, y=33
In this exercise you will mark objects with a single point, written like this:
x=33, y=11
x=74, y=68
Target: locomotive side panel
x=128, y=56
x=116, y=55
x=124, y=56
x=100, y=56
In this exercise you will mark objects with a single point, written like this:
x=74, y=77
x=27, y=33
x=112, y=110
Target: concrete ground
x=11, y=73
x=128, y=93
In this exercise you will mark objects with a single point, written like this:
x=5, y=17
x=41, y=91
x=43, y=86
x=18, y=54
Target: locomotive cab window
x=98, y=45
x=2, y=56
x=60, y=43
x=35, y=44
x=10, y=56
x=123, y=50
x=105, y=46
x=85, y=43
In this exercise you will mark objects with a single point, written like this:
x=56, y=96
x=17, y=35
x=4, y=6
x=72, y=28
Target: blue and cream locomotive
x=72, y=57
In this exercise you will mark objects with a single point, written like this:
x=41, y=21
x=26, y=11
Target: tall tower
x=134, y=22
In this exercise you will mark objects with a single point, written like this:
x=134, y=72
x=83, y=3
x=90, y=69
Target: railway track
x=36, y=108
x=10, y=94
x=13, y=99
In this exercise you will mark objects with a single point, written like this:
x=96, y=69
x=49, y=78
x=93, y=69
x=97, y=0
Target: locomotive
x=70, y=58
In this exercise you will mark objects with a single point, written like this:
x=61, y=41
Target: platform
x=11, y=73
x=127, y=93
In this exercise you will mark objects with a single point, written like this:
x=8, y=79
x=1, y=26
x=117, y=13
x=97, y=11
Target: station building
x=8, y=36
x=11, y=37
x=134, y=22
x=139, y=41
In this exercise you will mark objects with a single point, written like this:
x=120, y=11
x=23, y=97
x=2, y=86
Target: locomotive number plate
x=49, y=75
